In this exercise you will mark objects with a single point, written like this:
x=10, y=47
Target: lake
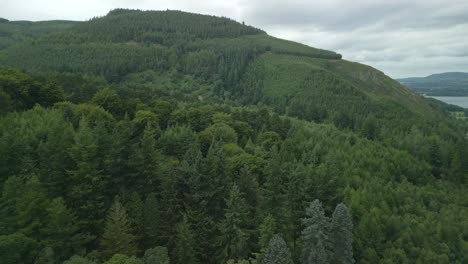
x=455, y=100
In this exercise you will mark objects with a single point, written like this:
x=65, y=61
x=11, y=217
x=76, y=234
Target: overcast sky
x=399, y=37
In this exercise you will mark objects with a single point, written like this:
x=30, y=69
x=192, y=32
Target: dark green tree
x=315, y=235
x=278, y=251
x=152, y=221
x=118, y=237
x=232, y=241
x=184, y=252
x=156, y=255
x=86, y=179
x=341, y=236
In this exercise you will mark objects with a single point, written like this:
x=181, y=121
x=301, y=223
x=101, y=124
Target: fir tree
x=151, y=218
x=233, y=235
x=86, y=180
x=185, y=244
x=278, y=252
x=341, y=236
x=157, y=255
x=315, y=235
x=118, y=237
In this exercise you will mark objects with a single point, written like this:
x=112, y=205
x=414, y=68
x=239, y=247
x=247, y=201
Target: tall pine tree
x=233, y=235
x=278, y=252
x=315, y=235
x=342, y=236
x=184, y=252
x=118, y=237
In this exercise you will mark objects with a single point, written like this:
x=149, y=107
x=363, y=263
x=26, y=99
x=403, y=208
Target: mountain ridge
x=439, y=84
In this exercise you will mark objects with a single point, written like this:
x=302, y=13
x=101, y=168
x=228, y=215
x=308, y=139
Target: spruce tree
x=233, y=235
x=278, y=252
x=157, y=255
x=151, y=221
x=118, y=237
x=184, y=251
x=86, y=180
x=342, y=236
x=315, y=235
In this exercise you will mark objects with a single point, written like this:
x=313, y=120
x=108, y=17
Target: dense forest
x=168, y=137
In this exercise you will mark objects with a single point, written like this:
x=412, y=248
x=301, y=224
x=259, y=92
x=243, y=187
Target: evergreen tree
x=342, y=236
x=184, y=252
x=31, y=208
x=86, y=180
x=135, y=208
x=233, y=235
x=267, y=229
x=315, y=235
x=151, y=218
x=118, y=237
x=144, y=163
x=62, y=232
x=278, y=251
x=157, y=255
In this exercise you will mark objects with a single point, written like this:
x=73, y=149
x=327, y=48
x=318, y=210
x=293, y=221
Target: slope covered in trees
x=169, y=137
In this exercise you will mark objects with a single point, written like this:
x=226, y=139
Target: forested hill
x=441, y=84
x=171, y=137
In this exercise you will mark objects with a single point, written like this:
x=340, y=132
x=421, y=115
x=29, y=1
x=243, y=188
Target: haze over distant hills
x=441, y=84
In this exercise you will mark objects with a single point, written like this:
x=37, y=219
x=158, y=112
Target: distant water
x=455, y=100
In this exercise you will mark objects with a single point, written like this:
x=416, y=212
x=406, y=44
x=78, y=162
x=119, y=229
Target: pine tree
x=342, y=236
x=267, y=230
x=233, y=235
x=157, y=255
x=62, y=232
x=144, y=163
x=278, y=252
x=273, y=197
x=184, y=252
x=86, y=180
x=151, y=220
x=118, y=237
x=315, y=235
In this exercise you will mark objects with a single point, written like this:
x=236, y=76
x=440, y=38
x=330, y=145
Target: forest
x=148, y=137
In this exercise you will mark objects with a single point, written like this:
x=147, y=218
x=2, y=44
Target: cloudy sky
x=399, y=37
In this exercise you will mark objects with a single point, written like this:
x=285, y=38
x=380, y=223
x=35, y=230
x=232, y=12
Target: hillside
x=145, y=136
x=442, y=84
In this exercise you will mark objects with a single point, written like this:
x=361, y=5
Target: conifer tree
x=184, y=251
x=341, y=236
x=315, y=235
x=151, y=218
x=233, y=235
x=157, y=255
x=86, y=180
x=62, y=232
x=118, y=237
x=278, y=252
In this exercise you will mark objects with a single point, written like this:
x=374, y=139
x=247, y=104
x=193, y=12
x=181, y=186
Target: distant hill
x=441, y=84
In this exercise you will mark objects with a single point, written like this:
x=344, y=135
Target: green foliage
x=157, y=255
x=185, y=244
x=341, y=235
x=118, y=237
x=315, y=235
x=233, y=234
x=169, y=110
x=78, y=260
x=20, y=91
x=278, y=251
x=17, y=248
x=123, y=259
